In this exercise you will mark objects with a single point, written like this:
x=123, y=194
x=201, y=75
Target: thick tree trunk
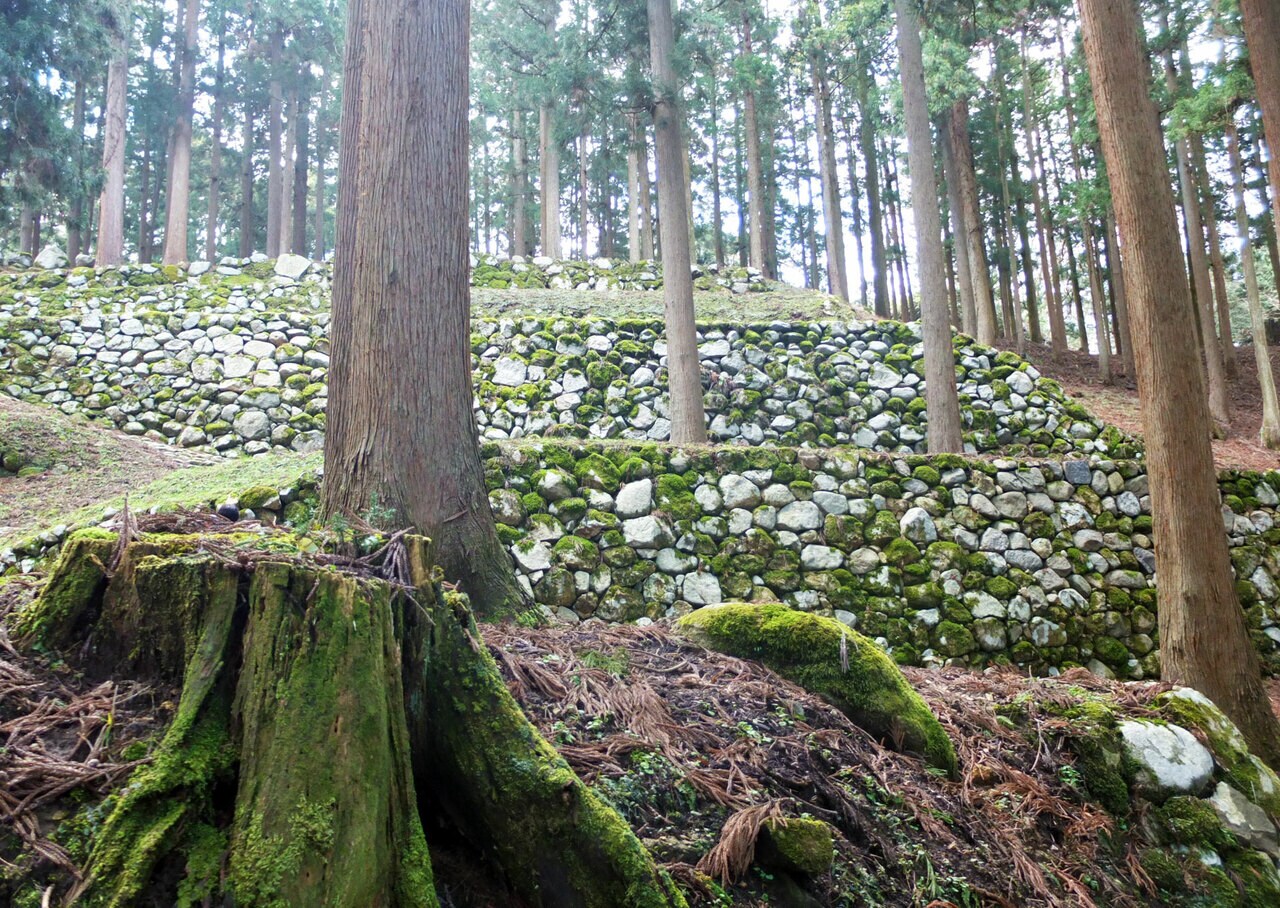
x=215, y=155
x=942, y=403
x=179, y=207
x=837, y=279
x=1204, y=642
x=111, y=202
x=684, y=374
x=305, y=780
x=1270, y=434
x=1262, y=32
x=404, y=438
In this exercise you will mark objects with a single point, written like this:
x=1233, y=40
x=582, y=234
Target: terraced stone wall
x=238, y=362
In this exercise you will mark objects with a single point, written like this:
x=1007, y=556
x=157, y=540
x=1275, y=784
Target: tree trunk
x=275, y=136
x=179, y=207
x=111, y=202
x=717, y=214
x=837, y=279
x=1044, y=225
x=1270, y=434
x=549, y=164
x=1262, y=32
x=684, y=374
x=633, y=186
x=1116, y=263
x=215, y=153
x=519, y=186
x=246, y=182
x=144, y=202
x=942, y=403
x=1219, y=409
x=301, y=163
x=287, y=136
x=305, y=780
x=75, y=216
x=1217, y=267
x=864, y=85
x=322, y=131
x=404, y=438
x=755, y=163
x=584, y=196
x=960, y=237
x=1204, y=642
x=984, y=303
x=855, y=209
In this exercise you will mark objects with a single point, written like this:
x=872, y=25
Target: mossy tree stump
x=322, y=718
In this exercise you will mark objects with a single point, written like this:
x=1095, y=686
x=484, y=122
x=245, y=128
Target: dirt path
x=1117, y=403
x=83, y=463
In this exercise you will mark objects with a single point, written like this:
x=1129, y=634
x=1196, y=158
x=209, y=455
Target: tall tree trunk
x=739, y=187
x=179, y=207
x=837, y=279
x=633, y=186
x=855, y=209
x=549, y=164
x=755, y=162
x=1204, y=642
x=75, y=216
x=287, y=138
x=900, y=228
x=647, y=252
x=984, y=303
x=215, y=152
x=519, y=239
x=403, y=199
x=717, y=214
x=246, y=182
x=1262, y=32
x=1116, y=262
x=869, y=115
x=684, y=375
x=584, y=196
x=1044, y=226
x=144, y=203
x=111, y=202
x=275, y=137
x=941, y=400
x=1219, y=410
x=960, y=238
x=1270, y=434
x=1217, y=267
x=301, y=163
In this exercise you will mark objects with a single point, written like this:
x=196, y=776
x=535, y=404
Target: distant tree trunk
x=144, y=202
x=519, y=186
x=301, y=163
x=1116, y=263
x=246, y=182
x=287, y=136
x=647, y=252
x=1262, y=32
x=179, y=207
x=942, y=403
x=215, y=153
x=1204, y=642
x=275, y=138
x=405, y=438
x=984, y=302
x=717, y=215
x=1270, y=434
x=322, y=133
x=549, y=164
x=739, y=187
x=1219, y=409
x=111, y=202
x=960, y=235
x=1044, y=226
x=633, y=186
x=868, y=116
x=1217, y=267
x=855, y=208
x=29, y=230
x=688, y=418
x=75, y=214
x=908, y=307
x=755, y=162
x=584, y=195
x=837, y=280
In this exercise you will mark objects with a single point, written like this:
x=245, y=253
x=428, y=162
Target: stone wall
x=236, y=359
x=942, y=559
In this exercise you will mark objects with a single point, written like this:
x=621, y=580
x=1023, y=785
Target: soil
x=80, y=463
x=1117, y=403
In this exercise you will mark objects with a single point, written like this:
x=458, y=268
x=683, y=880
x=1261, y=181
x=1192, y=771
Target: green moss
x=797, y=845
x=596, y=472
x=1185, y=820
x=73, y=591
x=806, y=649
x=257, y=496
x=674, y=497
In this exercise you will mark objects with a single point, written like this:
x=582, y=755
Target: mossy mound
x=830, y=660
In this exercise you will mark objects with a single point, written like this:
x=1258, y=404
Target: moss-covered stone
x=813, y=652
x=796, y=845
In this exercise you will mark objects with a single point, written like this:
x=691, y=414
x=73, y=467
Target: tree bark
x=401, y=431
x=864, y=86
x=246, y=182
x=1270, y=434
x=942, y=402
x=519, y=186
x=1204, y=642
x=275, y=136
x=215, y=153
x=1262, y=33
x=984, y=302
x=1217, y=267
x=75, y=214
x=318, y=213
x=549, y=164
x=684, y=374
x=1116, y=262
x=179, y=207
x=855, y=210
x=960, y=236
x=301, y=163
x=1044, y=224
x=837, y=279
x=111, y=203
x=755, y=162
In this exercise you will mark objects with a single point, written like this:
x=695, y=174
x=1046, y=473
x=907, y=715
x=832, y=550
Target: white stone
x=883, y=377
x=739, y=492
x=532, y=556
x=984, y=605
x=1169, y=755
x=701, y=589
x=292, y=266
x=820, y=558
x=510, y=372
x=800, y=516
x=634, y=499
x=555, y=486
x=51, y=257
x=252, y=425
x=646, y=532
x=918, y=526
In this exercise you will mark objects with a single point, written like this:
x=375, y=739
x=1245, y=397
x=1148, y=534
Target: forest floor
x=1117, y=403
